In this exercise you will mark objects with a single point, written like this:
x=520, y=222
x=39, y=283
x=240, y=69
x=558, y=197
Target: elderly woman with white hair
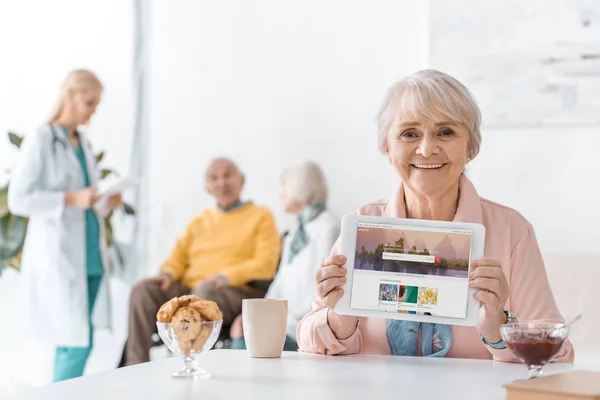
x=304, y=194
x=429, y=129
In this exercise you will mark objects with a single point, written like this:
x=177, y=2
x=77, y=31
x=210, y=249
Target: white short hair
x=424, y=92
x=305, y=183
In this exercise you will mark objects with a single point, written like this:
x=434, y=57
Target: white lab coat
x=53, y=267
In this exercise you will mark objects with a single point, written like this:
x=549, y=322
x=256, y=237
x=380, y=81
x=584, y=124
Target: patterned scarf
x=402, y=337
x=301, y=239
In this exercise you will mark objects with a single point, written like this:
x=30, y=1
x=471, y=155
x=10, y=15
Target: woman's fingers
x=336, y=259
x=489, y=300
x=329, y=271
x=489, y=262
x=329, y=277
x=489, y=278
x=328, y=285
x=488, y=272
x=490, y=284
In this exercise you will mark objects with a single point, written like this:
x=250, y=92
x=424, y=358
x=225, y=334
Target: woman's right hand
x=237, y=328
x=330, y=278
x=84, y=198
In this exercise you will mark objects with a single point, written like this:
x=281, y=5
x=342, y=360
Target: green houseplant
x=14, y=228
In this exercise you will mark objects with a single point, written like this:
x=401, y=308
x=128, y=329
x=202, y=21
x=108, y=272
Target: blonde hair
x=424, y=92
x=77, y=81
x=305, y=183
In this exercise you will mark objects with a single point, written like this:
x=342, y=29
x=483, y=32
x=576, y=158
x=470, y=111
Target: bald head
x=224, y=181
x=220, y=163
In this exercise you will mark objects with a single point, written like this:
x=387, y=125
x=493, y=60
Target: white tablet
x=410, y=269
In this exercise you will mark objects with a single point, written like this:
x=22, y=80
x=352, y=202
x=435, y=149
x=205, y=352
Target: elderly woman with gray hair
x=429, y=129
x=304, y=194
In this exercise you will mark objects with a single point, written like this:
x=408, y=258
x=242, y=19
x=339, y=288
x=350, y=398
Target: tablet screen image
x=410, y=269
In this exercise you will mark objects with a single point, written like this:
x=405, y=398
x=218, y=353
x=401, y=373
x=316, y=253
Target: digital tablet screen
x=409, y=269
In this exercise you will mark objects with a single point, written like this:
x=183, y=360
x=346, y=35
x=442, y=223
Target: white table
x=299, y=376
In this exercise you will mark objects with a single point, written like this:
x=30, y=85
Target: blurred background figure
x=304, y=194
x=222, y=252
x=64, y=256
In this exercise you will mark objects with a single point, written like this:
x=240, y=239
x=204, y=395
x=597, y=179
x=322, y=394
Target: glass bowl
x=189, y=341
x=536, y=344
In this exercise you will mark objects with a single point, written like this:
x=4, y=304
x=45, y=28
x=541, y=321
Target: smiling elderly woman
x=429, y=130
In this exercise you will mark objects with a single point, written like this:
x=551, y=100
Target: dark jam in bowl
x=535, y=351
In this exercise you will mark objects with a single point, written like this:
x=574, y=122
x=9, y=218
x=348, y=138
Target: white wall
x=269, y=83
x=40, y=41
x=550, y=175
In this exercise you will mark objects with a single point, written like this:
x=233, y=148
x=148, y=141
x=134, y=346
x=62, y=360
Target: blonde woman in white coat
x=64, y=256
x=304, y=194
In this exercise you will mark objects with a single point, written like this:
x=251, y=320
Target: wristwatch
x=510, y=319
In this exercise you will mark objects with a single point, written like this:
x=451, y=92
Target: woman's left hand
x=487, y=276
x=114, y=201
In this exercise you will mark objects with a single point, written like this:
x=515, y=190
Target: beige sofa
x=575, y=281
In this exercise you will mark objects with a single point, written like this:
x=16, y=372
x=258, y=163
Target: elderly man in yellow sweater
x=221, y=251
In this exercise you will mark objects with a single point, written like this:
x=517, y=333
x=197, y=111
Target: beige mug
x=265, y=325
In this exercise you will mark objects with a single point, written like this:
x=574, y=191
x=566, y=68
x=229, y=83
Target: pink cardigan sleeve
x=530, y=297
x=315, y=336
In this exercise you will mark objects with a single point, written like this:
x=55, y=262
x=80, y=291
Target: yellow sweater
x=243, y=244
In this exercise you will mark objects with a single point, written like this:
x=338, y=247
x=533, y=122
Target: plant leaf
x=109, y=231
x=99, y=157
x=13, y=230
x=3, y=200
x=129, y=210
x=118, y=253
x=105, y=172
x=15, y=139
x=14, y=262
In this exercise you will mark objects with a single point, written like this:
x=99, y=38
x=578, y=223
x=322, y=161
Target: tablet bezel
x=348, y=246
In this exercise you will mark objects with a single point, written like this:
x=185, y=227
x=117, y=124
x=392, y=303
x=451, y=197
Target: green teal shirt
x=93, y=257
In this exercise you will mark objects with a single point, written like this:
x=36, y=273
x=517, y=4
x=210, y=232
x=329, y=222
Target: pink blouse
x=509, y=239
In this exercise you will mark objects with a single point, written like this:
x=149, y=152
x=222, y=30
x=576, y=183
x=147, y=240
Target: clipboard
x=110, y=187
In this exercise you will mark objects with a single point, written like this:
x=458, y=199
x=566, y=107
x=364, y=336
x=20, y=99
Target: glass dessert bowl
x=189, y=341
x=536, y=344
